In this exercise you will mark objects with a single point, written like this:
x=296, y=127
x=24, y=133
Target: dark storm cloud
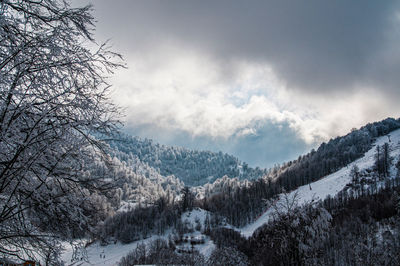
x=313, y=45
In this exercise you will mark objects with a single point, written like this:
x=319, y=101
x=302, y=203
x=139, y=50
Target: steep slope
x=241, y=204
x=331, y=184
x=333, y=155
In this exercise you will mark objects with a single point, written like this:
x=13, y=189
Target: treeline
x=140, y=222
x=240, y=202
x=239, y=205
x=242, y=205
x=146, y=220
x=160, y=252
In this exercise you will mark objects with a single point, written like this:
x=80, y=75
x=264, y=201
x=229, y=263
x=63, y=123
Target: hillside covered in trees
x=194, y=168
x=358, y=225
x=234, y=203
x=241, y=202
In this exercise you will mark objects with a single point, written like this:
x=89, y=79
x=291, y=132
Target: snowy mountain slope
x=146, y=180
x=111, y=254
x=148, y=171
x=331, y=184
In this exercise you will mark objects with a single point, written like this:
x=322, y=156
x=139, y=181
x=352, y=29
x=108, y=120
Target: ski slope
x=331, y=184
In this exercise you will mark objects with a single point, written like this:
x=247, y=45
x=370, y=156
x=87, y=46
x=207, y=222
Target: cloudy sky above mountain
x=264, y=80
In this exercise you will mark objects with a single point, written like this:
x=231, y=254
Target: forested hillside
x=349, y=230
x=242, y=204
x=333, y=155
x=194, y=168
x=358, y=225
x=235, y=198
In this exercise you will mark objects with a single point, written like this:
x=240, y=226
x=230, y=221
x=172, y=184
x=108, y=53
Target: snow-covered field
x=106, y=255
x=331, y=184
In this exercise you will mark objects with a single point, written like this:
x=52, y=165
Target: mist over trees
x=240, y=202
x=53, y=99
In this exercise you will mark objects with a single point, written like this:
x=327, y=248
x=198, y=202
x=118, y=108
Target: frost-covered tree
x=159, y=252
x=293, y=238
x=227, y=256
x=355, y=174
x=383, y=159
x=53, y=100
x=187, y=199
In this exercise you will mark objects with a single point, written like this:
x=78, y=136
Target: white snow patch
x=108, y=255
x=198, y=214
x=126, y=206
x=195, y=214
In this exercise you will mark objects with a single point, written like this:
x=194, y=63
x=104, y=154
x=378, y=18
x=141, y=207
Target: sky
x=263, y=80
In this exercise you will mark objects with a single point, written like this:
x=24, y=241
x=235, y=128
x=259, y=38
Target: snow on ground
x=127, y=206
x=198, y=214
x=195, y=214
x=331, y=184
x=108, y=255
x=207, y=248
x=111, y=254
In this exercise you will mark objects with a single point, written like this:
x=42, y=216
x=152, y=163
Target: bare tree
x=53, y=101
x=286, y=204
x=355, y=174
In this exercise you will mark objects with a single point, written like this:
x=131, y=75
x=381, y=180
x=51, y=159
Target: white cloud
x=185, y=90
